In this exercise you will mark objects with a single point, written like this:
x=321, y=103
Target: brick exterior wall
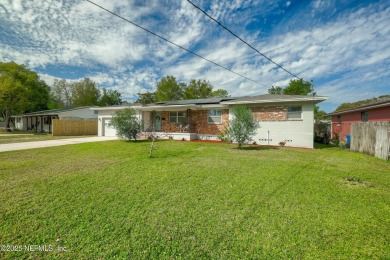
x=270, y=113
x=198, y=121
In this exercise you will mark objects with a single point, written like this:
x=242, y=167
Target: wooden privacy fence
x=371, y=138
x=74, y=127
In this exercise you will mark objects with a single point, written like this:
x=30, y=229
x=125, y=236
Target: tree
x=126, y=123
x=110, y=98
x=300, y=87
x=169, y=89
x=319, y=114
x=295, y=87
x=220, y=93
x=198, y=89
x=85, y=93
x=21, y=90
x=146, y=98
x=275, y=90
x=61, y=95
x=202, y=89
x=243, y=126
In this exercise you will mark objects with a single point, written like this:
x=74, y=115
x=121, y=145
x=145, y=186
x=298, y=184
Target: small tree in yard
x=243, y=126
x=126, y=123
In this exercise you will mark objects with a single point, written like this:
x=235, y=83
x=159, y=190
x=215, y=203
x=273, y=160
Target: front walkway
x=50, y=143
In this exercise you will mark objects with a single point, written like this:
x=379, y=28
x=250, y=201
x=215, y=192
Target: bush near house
x=126, y=123
x=243, y=126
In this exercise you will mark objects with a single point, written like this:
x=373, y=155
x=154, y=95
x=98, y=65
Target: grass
x=13, y=138
x=194, y=200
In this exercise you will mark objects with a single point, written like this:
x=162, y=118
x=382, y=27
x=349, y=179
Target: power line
x=250, y=46
x=165, y=39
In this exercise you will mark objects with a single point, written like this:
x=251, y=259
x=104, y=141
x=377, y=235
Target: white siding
x=20, y=123
x=105, y=115
x=297, y=133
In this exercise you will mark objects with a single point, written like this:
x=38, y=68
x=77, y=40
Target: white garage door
x=108, y=129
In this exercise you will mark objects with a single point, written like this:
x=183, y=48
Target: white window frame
x=293, y=113
x=177, y=117
x=214, y=116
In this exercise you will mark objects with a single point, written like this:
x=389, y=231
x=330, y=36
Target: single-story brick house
x=41, y=121
x=286, y=118
x=342, y=120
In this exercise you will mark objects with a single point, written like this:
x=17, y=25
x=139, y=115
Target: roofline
x=181, y=107
x=51, y=112
x=221, y=104
x=279, y=100
x=361, y=108
x=115, y=107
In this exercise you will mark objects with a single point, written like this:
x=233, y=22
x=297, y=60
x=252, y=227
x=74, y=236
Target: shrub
x=126, y=123
x=224, y=136
x=335, y=141
x=243, y=126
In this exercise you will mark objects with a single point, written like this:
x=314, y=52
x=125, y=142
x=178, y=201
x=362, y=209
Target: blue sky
x=343, y=46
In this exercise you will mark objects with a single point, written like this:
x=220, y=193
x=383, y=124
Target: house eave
x=181, y=107
x=314, y=100
x=114, y=108
x=357, y=109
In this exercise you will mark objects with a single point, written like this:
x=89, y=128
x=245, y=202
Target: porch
x=35, y=123
x=185, y=124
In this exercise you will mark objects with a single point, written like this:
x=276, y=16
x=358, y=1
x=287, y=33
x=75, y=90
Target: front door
x=157, y=121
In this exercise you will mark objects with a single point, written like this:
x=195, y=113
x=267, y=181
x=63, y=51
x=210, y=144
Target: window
x=294, y=112
x=177, y=117
x=339, y=119
x=214, y=117
x=364, y=116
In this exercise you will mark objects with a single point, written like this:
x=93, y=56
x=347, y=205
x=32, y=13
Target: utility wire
x=250, y=46
x=165, y=39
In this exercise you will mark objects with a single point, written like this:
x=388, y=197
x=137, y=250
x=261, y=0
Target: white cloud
x=350, y=50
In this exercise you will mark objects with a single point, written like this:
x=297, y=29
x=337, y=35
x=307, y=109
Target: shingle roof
x=54, y=111
x=267, y=98
x=270, y=97
x=202, y=101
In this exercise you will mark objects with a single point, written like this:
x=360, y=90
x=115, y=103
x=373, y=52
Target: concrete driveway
x=50, y=143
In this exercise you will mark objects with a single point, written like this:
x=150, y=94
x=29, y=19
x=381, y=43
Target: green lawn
x=194, y=200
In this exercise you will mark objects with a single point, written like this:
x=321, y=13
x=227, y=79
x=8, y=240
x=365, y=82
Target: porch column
x=41, y=124
x=189, y=111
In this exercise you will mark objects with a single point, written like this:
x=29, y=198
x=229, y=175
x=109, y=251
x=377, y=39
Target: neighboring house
x=282, y=118
x=342, y=120
x=41, y=121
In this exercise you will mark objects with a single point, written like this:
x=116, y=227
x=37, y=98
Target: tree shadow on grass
x=257, y=148
x=323, y=146
x=137, y=141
